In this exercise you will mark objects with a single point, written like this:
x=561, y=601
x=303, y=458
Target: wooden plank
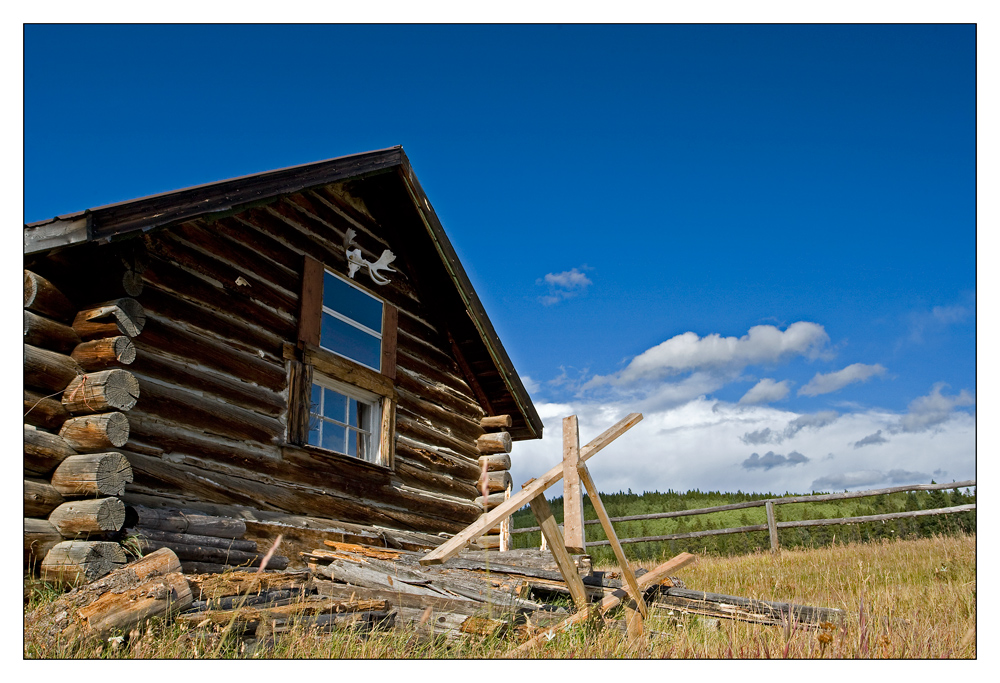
x=609, y=529
x=659, y=575
x=311, y=302
x=543, y=513
x=390, y=317
x=515, y=502
x=573, y=530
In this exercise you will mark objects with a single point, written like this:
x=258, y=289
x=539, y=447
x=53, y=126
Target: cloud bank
x=766, y=391
x=833, y=381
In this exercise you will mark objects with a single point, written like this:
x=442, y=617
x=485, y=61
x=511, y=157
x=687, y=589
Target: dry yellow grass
x=903, y=599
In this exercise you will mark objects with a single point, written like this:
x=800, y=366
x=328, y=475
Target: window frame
x=308, y=360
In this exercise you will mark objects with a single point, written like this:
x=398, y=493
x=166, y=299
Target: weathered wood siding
x=221, y=298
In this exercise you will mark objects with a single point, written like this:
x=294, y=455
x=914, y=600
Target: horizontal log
x=490, y=501
x=104, y=353
x=496, y=422
x=48, y=370
x=40, y=498
x=445, y=377
x=438, y=459
x=494, y=442
x=48, y=334
x=98, y=392
x=41, y=296
x=44, y=411
x=95, y=433
x=488, y=542
x=39, y=538
x=496, y=462
x=92, y=474
x=169, y=336
x=195, y=539
x=417, y=474
x=110, y=319
x=459, y=426
x=189, y=523
x=744, y=609
x=161, y=399
x=205, y=553
x=157, y=365
x=155, y=435
x=411, y=426
x=73, y=562
x=88, y=516
x=496, y=481
x=410, y=380
x=44, y=451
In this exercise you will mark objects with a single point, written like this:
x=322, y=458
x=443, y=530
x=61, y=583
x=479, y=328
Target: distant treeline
x=625, y=504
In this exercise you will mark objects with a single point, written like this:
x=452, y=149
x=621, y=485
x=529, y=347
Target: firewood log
x=74, y=562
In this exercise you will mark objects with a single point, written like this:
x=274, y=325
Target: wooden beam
x=496, y=422
x=657, y=576
x=543, y=513
x=576, y=540
x=602, y=514
x=515, y=502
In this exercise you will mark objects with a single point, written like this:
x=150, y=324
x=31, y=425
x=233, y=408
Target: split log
x=496, y=422
x=151, y=586
x=44, y=451
x=40, y=498
x=195, y=539
x=181, y=522
x=92, y=433
x=48, y=334
x=212, y=554
x=43, y=411
x=39, y=538
x=92, y=474
x=495, y=462
x=48, y=370
x=110, y=319
x=496, y=481
x=73, y=562
x=104, y=353
x=496, y=442
x=88, y=516
x=97, y=392
x=743, y=609
x=41, y=296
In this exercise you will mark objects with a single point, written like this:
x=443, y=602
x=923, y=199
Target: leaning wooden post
x=575, y=538
x=515, y=502
x=602, y=514
x=772, y=526
x=550, y=530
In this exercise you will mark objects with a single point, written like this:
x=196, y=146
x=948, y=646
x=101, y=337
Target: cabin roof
x=386, y=179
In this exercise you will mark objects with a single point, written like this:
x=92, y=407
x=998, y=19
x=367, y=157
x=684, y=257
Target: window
x=352, y=322
x=341, y=391
x=344, y=419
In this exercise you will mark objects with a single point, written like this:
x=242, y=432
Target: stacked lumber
x=494, y=483
x=75, y=399
x=205, y=544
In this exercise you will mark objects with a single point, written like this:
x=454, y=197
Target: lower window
x=345, y=419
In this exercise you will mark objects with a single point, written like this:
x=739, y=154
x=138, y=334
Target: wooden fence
x=772, y=525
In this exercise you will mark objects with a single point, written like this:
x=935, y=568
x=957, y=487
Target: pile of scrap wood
x=361, y=588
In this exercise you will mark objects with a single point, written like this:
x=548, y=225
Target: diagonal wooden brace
x=550, y=529
x=602, y=514
x=516, y=502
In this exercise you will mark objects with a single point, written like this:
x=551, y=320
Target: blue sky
x=762, y=237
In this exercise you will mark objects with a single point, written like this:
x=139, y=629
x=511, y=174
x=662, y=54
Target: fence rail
x=772, y=526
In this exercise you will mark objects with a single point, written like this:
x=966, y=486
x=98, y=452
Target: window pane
x=364, y=447
x=314, y=424
x=351, y=342
x=333, y=437
x=334, y=405
x=314, y=406
x=352, y=442
x=352, y=302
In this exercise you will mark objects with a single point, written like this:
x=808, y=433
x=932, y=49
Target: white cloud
x=766, y=391
x=932, y=410
x=830, y=382
x=871, y=440
x=810, y=420
x=688, y=351
x=565, y=285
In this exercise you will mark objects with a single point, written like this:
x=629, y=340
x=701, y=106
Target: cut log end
x=93, y=433
x=74, y=562
x=499, y=442
x=88, y=516
x=96, y=392
x=93, y=474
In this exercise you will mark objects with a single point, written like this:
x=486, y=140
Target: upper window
x=352, y=322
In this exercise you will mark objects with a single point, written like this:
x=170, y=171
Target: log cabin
x=300, y=350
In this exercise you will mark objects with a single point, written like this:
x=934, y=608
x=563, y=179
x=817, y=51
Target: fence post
x=772, y=526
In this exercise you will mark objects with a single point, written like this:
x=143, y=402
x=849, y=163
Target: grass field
x=903, y=598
